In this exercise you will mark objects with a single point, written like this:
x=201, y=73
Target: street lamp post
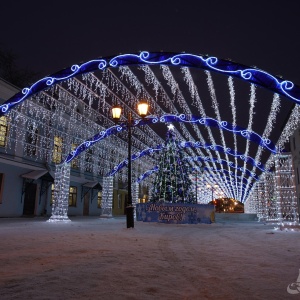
x=129, y=207
x=116, y=114
x=212, y=190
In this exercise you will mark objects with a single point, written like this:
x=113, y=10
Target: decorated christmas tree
x=172, y=182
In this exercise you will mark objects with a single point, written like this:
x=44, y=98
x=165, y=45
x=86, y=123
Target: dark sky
x=50, y=35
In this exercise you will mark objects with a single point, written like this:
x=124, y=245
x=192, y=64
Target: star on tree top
x=170, y=127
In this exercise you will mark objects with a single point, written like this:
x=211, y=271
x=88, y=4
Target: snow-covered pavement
x=99, y=258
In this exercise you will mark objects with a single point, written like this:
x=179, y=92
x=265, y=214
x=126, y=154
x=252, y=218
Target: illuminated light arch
x=188, y=144
x=223, y=171
x=230, y=186
x=223, y=162
x=227, y=150
x=228, y=181
x=147, y=174
x=245, y=181
x=225, y=67
x=156, y=168
x=96, y=138
x=169, y=118
x=135, y=156
x=229, y=173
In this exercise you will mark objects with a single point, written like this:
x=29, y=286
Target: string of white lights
x=252, y=101
x=150, y=78
x=198, y=104
x=178, y=96
x=230, y=84
x=128, y=75
x=59, y=125
x=274, y=110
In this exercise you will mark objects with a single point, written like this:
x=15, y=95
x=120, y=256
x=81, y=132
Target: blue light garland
x=223, y=162
x=245, y=181
x=189, y=144
x=155, y=169
x=229, y=173
x=169, y=118
x=227, y=150
x=135, y=156
x=96, y=138
x=147, y=174
x=226, y=67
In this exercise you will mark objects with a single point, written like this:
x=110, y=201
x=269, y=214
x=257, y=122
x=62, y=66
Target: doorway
x=29, y=199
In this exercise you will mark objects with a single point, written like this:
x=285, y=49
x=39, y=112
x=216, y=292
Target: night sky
x=50, y=35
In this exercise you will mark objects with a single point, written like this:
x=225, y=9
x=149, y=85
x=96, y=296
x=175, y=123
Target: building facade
x=34, y=138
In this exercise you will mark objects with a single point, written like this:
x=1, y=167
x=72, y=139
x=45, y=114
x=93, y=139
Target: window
x=3, y=131
x=72, y=196
x=32, y=138
x=57, y=149
x=74, y=162
x=294, y=143
x=99, y=199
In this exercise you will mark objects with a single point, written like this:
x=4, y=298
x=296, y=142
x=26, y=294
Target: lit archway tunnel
x=75, y=104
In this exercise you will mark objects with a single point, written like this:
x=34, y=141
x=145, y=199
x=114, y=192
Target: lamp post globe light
x=142, y=108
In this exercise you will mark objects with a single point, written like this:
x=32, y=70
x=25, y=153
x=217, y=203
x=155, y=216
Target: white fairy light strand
x=230, y=84
x=252, y=101
x=180, y=99
x=198, y=103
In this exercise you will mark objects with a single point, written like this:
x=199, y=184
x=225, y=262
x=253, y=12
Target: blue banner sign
x=175, y=213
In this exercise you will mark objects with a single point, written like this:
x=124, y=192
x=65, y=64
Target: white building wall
x=12, y=204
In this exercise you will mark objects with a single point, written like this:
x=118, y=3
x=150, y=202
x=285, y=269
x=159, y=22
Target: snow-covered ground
x=98, y=258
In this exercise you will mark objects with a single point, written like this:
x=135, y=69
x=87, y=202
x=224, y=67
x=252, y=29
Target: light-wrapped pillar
x=61, y=194
x=286, y=192
x=249, y=205
x=255, y=199
x=107, y=196
x=135, y=195
x=270, y=194
x=261, y=200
